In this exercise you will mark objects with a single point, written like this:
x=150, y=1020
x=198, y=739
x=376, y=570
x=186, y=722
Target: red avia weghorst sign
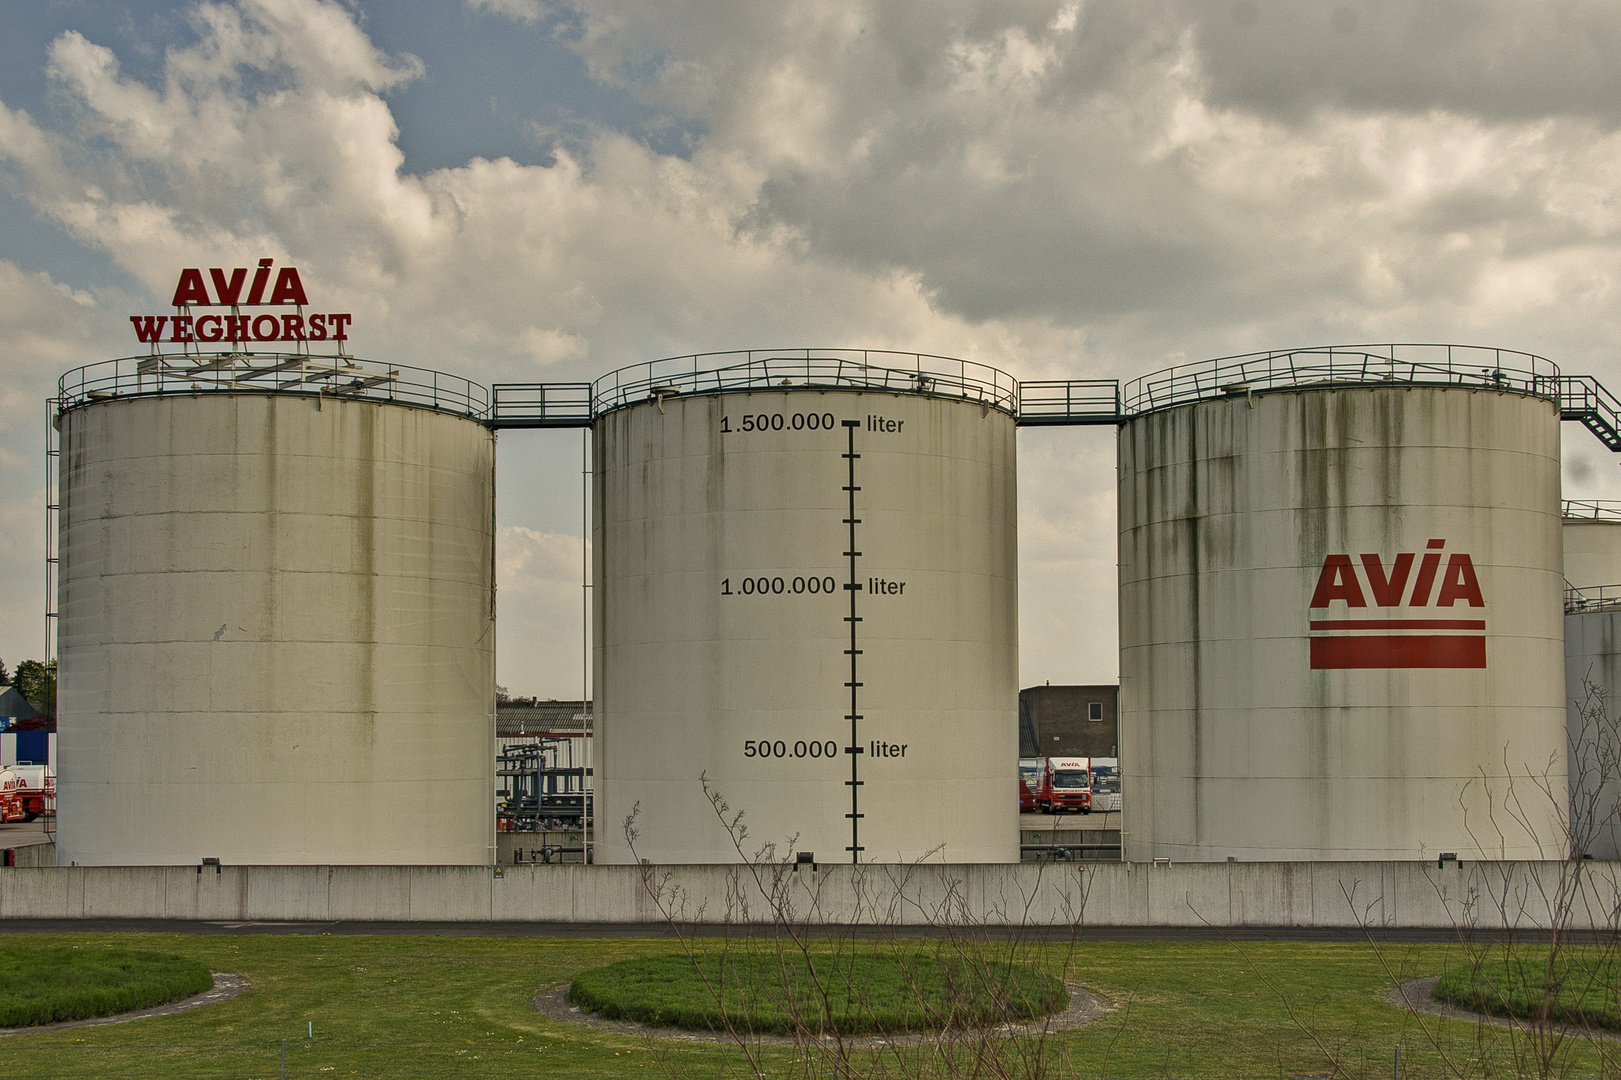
x=1399, y=636
x=237, y=290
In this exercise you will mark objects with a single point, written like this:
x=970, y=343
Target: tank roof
x=347, y=377
x=872, y=370
x=1329, y=367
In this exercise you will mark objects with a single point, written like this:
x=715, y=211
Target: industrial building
x=1069, y=721
x=1345, y=630
x=543, y=777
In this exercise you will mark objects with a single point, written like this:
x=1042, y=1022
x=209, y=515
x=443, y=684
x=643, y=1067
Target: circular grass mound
x=1576, y=986
x=50, y=985
x=868, y=990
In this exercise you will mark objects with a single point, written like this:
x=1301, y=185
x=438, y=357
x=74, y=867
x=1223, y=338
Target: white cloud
x=541, y=628
x=527, y=11
x=47, y=328
x=250, y=147
x=1041, y=164
x=1067, y=564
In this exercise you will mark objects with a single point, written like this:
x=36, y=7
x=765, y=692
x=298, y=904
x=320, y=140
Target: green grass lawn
x=75, y=982
x=460, y=1006
x=893, y=988
x=1577, y=986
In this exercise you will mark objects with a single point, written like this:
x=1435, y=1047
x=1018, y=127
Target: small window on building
x=1094, y=710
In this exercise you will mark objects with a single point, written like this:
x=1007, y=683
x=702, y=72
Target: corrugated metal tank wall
x=1593, y=681
x=689, y=506
x=1265, y=715
x=276, y=636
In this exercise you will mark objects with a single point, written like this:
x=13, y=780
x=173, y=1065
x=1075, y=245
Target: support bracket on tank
x=661, y=392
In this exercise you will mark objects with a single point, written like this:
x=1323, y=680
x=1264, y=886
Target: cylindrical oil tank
x=1592, y=535
x=1340, y=619
x=276, y=628
x=806, y=619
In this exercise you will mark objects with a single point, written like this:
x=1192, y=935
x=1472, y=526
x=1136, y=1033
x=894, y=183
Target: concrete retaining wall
x=33, y=854
x=1122, y=894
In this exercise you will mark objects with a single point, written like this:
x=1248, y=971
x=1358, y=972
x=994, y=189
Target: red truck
x=26, y=791
x=1029, y=780
x=1066, y=784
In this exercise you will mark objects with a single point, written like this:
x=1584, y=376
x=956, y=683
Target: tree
x=5, y=676
x=37, y=682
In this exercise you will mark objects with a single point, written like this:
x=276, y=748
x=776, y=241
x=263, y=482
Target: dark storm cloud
x=1037, y=248
x=1493, y=59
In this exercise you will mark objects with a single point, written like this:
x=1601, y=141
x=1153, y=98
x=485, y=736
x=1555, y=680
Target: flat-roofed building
x=1069, y=721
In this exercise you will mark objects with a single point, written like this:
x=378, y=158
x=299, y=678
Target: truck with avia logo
x=1066, y=784
x=26, y=792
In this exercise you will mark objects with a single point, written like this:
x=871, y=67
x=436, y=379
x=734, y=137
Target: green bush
x=1571, y=986
x=876, y=990
x=47, y=986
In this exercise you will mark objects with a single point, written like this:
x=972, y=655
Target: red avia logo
x=1356, y=642
x=287, y=289
x=191, y=290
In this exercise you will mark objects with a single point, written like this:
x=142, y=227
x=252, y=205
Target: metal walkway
x=1046, y=403
x=1073, y=403
x=541, y=405
x=1104, y=402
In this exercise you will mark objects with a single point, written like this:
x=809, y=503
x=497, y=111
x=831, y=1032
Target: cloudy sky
x=549, y=189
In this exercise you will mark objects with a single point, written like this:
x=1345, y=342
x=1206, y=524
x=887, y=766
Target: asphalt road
x=22, y=833
x=662, y=930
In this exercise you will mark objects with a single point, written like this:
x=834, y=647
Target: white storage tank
x=747, y=508
x=276, y=635
x=1592, y=540
x=1591, y=537
x=1340, y=617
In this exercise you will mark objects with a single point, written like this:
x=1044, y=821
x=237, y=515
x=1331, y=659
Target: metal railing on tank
x=1470, y=366
x=1591, y=598
x=824, y=369
x=1591, y=510
x=273, y=373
